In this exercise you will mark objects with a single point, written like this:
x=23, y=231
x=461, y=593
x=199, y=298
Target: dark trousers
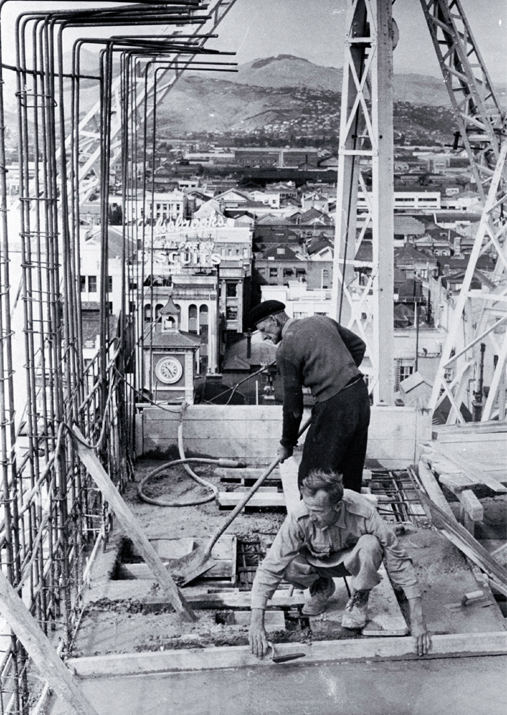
x=337, y=437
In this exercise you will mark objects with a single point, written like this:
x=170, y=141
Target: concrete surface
x=458, y=686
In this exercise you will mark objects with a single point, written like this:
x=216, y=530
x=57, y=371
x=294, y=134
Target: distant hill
x=284, y=96
x=290, y=71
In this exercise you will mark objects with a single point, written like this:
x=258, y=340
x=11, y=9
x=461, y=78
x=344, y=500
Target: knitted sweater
x=318, y=353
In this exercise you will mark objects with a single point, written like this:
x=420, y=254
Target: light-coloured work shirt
x=356, y=516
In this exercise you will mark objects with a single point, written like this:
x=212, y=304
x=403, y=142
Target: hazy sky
x=315, y=30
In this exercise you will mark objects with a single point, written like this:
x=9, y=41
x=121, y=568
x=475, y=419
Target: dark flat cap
x=264, y=310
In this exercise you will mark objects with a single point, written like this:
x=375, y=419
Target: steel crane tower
x=366, y=136
x=479, y=317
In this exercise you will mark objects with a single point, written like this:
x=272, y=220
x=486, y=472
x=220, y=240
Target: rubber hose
x=168, y=465
x=221, y=462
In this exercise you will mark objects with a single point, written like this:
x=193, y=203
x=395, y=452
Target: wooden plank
x=234, y=599
x=432, y=488
x=500, y=554
x=466, y=543
x=471, y=505
x=222, y=569
x=242, y=474
x=343, y=650
x=472, y=469
x=130, y=525
x=470, y=428
x=263, y=499
x=273, y=620
x=456, y=482
x=253, y=432
x=469, y=438
x=289, y=473
x=40, y=650
x=385, y=616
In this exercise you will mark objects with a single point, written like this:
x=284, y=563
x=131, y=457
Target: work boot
x=356, y=610
x=320, y=592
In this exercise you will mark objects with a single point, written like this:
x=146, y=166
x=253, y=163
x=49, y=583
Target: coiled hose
x=185, y=462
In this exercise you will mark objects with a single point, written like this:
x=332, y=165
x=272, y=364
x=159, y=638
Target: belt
x=353, y=381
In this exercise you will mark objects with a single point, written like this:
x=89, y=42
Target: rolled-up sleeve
x=284, y=549
x=398, y=563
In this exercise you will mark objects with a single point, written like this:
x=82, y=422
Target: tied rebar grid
x=51, y=513
x=398, y=502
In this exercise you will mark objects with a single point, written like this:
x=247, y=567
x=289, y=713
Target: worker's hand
x=422, y=640
x=257, y=635
x=284, y=452
x=418, y=627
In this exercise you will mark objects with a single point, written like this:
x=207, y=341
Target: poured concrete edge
x=216, y=658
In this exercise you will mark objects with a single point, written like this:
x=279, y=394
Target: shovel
x=189, y=567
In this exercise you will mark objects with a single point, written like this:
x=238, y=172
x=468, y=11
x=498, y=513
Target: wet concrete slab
x=456, y=686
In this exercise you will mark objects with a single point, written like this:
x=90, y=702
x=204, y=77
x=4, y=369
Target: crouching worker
x=334, y=532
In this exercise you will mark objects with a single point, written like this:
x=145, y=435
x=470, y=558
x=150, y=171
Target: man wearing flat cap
x=318, y=353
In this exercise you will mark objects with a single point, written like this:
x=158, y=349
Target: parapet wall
x=252, y=433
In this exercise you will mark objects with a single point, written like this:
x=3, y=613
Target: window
x=231, y=289
x=404, y=368
x=288, y=272
x=92, y=284
x=232, y=312
x=300, y=315
x=147, y=313
x=273, y=272
x=325, y=278
x=300, y=274
x=203, y=325
x=261, y=271
x=109, y=308
x=83, y=284
x=280, y=251
x=192, y=319
x=110, y=284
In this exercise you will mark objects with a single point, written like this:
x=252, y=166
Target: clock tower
x=171, y=358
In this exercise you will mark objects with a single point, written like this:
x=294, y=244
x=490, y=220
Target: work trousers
x=362, y=562
x=338, y=435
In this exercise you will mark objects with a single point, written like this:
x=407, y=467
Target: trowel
x=189, y=567
x=285, y=657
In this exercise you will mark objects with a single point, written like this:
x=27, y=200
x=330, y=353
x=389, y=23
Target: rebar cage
x=53, y=519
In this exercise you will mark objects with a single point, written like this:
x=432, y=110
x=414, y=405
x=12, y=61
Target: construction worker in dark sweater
x=318, y=353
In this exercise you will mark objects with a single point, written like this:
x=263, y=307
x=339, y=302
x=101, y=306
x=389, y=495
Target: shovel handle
x=234, y=513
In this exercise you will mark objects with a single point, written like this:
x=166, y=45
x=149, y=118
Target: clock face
x=169, y=370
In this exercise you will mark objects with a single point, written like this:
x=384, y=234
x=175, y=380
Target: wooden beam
x=40, y=650
x=455, y=482
x=289, y=473
x=222, y=569
x=471, y=505
x=432, y=488
x=475, y=471
x=359, y=649
x=466, y=543
x=260, y=499
x=130, y=525
x=234, y=599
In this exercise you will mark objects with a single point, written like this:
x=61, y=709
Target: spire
x=170, y=316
